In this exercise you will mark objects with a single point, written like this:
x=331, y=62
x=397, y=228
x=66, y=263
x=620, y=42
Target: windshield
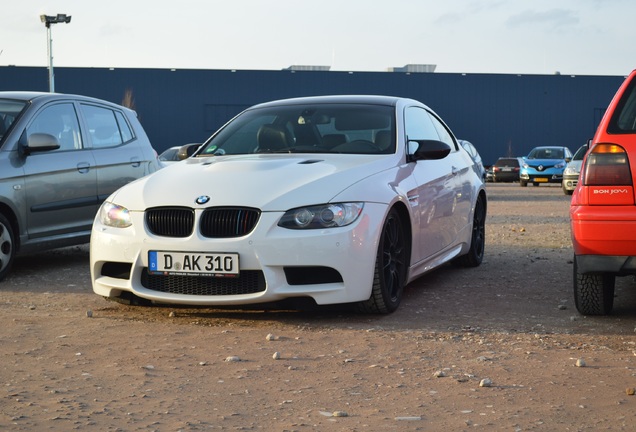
x=546, y=153
x=316, y=128
x=9, y=111
x=580, y=153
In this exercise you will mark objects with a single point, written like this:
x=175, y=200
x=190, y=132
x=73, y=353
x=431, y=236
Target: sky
x=573, y=37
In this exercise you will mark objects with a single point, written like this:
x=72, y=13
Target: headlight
x=321, y=216
x=114, y=215
x=569, y=171
x=525, y=165
x=560, y=165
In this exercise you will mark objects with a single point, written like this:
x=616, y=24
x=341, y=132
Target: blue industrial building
x=502, y=114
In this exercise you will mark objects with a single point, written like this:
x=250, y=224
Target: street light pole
x=48, y=20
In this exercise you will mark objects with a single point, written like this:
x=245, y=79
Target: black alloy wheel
x=390, y=268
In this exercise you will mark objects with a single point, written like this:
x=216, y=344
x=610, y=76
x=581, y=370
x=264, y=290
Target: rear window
x=624, y=118
x=507, y=162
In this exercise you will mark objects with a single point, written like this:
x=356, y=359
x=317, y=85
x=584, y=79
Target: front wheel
x=523, y=183
x=593, y=292
x=475, y=254
x=391, y=266
x=7, y=247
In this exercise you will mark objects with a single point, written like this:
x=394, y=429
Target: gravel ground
x=498, y=347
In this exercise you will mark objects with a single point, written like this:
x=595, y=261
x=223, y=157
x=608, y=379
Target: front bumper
x=334, y=265
x=569, y=182
x=541, y=177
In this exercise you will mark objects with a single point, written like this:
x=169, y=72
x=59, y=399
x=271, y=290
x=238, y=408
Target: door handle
x=83, y=167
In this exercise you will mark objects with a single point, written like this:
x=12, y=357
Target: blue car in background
x=544, y=165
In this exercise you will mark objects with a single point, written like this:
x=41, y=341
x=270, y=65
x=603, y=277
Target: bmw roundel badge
x=202, y=199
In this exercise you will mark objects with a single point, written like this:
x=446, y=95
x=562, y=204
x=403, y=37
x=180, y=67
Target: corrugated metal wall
x=503, y=115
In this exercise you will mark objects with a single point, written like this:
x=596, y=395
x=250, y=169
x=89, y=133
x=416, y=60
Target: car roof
x=43, y=97
x=336, y=99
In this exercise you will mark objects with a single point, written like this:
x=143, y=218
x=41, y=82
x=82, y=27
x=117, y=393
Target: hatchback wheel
x=7, y=246
x=390, y=268
x=593, y=292
x=523, y=183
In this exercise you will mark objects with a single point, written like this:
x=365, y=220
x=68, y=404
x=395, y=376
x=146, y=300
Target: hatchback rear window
x=624, y=117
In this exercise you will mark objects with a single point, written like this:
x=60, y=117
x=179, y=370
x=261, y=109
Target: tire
x=523, y=183
x=7, y=247
x=475, y=254
x=593, y=292
x=535, y=184
x=391, y=265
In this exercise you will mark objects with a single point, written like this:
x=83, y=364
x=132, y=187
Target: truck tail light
x=607, y=165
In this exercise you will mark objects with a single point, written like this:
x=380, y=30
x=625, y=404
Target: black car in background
x=506, y=169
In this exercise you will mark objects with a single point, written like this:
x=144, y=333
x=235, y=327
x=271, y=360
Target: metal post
x=48, y=20
x=49, y=49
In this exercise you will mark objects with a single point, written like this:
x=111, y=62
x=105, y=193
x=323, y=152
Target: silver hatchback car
x=61, y=156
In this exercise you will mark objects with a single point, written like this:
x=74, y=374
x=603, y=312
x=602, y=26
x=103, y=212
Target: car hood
x=544, y=162
x=268, y=182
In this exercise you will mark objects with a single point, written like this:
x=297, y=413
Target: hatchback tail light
x=607, y=165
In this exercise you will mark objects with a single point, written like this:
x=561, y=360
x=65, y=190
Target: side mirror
x=187, y=150
x=38, y=142
x=430, y=150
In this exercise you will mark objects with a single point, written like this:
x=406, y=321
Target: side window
x=444, y=135
x=124, y=127
x=418, y=125
x=103, y=126
x=59, y=120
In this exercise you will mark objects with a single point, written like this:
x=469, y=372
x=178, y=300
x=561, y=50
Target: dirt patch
x=491, y=348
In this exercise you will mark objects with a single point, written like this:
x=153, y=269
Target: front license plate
x=541, y=180
x=193, y=263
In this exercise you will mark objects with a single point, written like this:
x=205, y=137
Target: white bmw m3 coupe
x=341, y=199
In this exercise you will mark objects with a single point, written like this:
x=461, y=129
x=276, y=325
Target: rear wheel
x=478, y=239
x=7, y=246
x=391, y=265
x=593, y=292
